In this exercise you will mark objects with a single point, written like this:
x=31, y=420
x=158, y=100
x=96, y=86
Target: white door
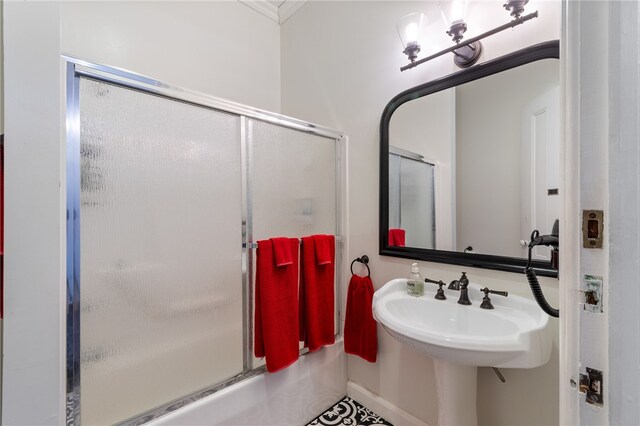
x=540, y=203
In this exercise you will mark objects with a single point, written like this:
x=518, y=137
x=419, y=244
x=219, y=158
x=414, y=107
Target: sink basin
x=516, y=334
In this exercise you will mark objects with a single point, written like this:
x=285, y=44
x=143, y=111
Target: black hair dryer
x=552, y=240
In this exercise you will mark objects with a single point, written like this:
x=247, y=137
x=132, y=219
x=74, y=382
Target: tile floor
x=350, y=413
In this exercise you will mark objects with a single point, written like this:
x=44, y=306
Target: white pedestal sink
x=460, y=338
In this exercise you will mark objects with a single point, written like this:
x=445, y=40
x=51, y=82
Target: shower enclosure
x=167, y=192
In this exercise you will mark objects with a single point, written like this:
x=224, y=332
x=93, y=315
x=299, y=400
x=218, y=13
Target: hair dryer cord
x=535, y=285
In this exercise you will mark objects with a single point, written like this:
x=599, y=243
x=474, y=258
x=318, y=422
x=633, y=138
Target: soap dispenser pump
x=415, y=284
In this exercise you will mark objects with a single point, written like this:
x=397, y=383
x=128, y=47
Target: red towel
x=276, y=312
x=282, y=251
x=396, y=237
x=317, y=278
x=325, y=249
x=360, y=336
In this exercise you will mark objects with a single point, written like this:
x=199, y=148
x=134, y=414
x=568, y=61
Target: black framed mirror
x=470, y=164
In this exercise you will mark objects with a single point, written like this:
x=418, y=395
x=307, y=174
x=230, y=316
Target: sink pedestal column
x=457, y=389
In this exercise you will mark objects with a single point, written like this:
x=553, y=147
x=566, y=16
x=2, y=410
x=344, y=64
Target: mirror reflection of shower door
x=412, y=207
x=161, y=293
x=394, y=191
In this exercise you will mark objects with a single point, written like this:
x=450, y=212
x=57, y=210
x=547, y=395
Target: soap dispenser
x=415, y=284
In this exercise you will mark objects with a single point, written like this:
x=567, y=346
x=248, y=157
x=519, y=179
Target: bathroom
x=335, y=64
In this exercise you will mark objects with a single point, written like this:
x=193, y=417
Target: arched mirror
x=470, y=164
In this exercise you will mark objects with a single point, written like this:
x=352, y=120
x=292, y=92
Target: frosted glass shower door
x=294, y=186
x=394, y=191
x=160, y=250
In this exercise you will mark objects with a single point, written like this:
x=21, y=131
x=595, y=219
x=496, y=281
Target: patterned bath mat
x=350, y=413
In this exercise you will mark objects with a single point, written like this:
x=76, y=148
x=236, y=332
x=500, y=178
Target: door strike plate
x=592, y=290
x=592, y=228
x=591, y=384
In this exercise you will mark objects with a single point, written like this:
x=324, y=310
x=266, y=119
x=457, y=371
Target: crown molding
x=273, y=12
x=263, y=7
x=288, y=8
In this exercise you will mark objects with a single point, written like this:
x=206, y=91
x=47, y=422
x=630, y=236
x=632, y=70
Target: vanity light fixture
x=466, y=53
x=409, y=29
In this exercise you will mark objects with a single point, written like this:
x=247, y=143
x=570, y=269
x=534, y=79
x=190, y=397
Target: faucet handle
x=440, y=293
x=499, y=293
x=486, y=301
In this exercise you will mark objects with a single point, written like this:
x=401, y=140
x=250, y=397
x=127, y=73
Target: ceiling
x=277, y=3
x=276, y=10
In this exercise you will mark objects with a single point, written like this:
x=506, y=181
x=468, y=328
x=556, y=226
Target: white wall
x=221, y=48
x=340, y=66
x=33, y=337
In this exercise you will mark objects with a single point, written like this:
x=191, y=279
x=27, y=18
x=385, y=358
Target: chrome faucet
x=464, y=290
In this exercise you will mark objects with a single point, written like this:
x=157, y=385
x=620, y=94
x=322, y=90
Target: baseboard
x=381, y=406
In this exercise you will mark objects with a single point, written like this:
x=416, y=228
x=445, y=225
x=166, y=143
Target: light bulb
x=458, y=10
x=453, y=11
x=411, y=33
x=409, y=29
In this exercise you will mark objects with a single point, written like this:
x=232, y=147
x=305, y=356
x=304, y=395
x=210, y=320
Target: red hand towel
x=282, y=251
x=397, y=237
x=325, y=249
x=276, y=311
x=360, y=334
x=317, y=310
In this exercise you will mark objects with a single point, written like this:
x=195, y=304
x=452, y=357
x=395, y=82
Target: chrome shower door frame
x=76, y=69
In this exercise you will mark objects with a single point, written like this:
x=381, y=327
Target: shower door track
x=77, y=68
